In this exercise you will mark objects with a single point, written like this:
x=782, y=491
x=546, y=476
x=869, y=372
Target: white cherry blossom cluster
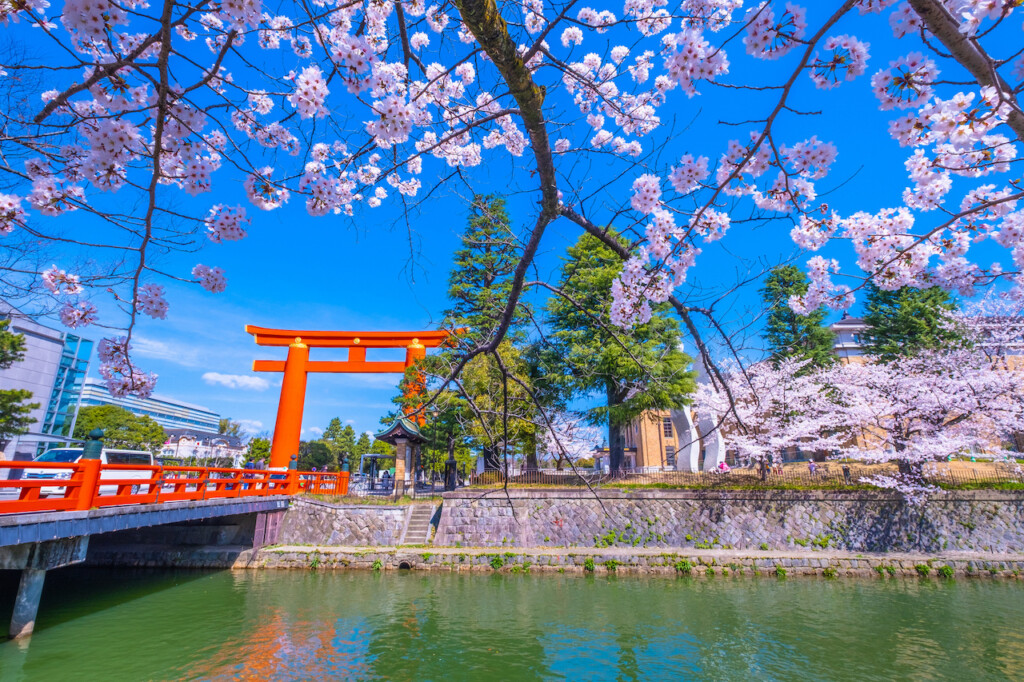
x=211, y=279
x=60, y=282
x=150, y=301
x=121, y=375
x=771, y=38
x=79, y=314
x=226, y=223
x=311, y=92
x=848, y=60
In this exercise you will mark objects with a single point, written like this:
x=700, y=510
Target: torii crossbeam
x=296, y=367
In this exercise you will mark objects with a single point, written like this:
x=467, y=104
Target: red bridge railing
x=90, y=484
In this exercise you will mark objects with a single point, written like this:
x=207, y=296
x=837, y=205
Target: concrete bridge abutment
x=34, y=560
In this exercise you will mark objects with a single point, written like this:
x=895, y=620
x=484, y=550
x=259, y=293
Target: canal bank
x=706, y=563
x=746, y=532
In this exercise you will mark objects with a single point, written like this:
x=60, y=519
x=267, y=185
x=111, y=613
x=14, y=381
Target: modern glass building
x=62, y=409
x=53, y=370
x=167, y=412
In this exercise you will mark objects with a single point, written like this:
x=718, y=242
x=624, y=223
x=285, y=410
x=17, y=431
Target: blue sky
x=368, y=273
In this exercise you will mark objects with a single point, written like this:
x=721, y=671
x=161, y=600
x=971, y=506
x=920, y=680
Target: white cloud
x=185, y=355
x=314, y=430
x=247, y=383
x=350, y=421
x=250, y=425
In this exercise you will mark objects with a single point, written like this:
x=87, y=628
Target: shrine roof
x=400, y=428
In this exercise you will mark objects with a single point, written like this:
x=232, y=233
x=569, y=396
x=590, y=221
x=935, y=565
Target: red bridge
x=47, y=521
x=89, y=484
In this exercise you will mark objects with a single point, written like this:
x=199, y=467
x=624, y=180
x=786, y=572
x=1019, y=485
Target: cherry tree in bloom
x=566, y=436
x=345, y=106
x=912, y=410
x=928, y=407
x=771, y=408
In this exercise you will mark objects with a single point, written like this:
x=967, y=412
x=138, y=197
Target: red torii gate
x=297, y=366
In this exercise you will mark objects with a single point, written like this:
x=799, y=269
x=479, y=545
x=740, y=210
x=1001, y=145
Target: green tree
x=259, y=450
x=122, y=429
x=317, y=454
x=362, y=445
x=482, y=270
x=787, y=333
x=341, y=440
x=12, y=346
x=636, y=370
x=14, y=405
x=14, y=414
x=908, y=320
x=379, y=447
x=478, y=288
x=229, y=428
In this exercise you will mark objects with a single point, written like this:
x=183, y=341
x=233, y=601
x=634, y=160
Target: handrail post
x=90, y=471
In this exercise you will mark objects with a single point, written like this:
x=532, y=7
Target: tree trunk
x=492, y=458
x=616, y=438
x=530, y=449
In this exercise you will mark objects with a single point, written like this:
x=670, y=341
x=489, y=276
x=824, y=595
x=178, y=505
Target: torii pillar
x=297, y=366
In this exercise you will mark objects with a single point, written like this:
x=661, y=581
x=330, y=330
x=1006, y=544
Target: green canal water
x=141, y=625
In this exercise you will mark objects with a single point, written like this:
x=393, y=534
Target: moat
x=164, y=624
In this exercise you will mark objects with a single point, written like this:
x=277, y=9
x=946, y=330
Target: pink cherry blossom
x=60, y=282
x=225, y=223
x=211, y=279
x=151, y=301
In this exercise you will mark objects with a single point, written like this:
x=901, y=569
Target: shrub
x=780, y=572
x=709, y=571
x=497, y=562
x=588, y=564
x=946, y=571
x=684, y=566
x=764, y=546
x=377, y=565
x=829, y=572
x=923, y=570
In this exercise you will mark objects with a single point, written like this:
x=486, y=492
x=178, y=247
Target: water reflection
x=409, y=626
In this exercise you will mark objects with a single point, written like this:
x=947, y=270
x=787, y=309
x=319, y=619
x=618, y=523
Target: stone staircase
x=417, y=530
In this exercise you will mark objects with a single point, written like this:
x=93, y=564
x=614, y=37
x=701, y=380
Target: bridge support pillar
x=35, y=560
x=26, y=605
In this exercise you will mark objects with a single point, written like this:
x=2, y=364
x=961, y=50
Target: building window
x=667, y=426
x=670, y=455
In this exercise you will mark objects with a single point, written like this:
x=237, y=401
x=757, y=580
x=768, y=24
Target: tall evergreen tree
x=481, y=276
x=478, y=288
x=907, y=320
x=362, y=445
x=788, y=334
x=637, y=370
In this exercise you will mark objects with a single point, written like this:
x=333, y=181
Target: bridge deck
x=16, y=529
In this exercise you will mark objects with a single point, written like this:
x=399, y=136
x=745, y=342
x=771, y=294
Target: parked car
x=140, y=458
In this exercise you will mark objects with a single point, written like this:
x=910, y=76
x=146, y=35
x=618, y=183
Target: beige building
x=651, y=443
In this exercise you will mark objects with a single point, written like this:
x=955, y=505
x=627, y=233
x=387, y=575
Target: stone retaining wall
x=708, y=564
x=978, y=521
x=312, y=522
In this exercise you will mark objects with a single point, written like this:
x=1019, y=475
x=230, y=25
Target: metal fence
x=823, y=475
x=362, y=485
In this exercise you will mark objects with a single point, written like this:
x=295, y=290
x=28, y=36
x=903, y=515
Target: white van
x=140, y=458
